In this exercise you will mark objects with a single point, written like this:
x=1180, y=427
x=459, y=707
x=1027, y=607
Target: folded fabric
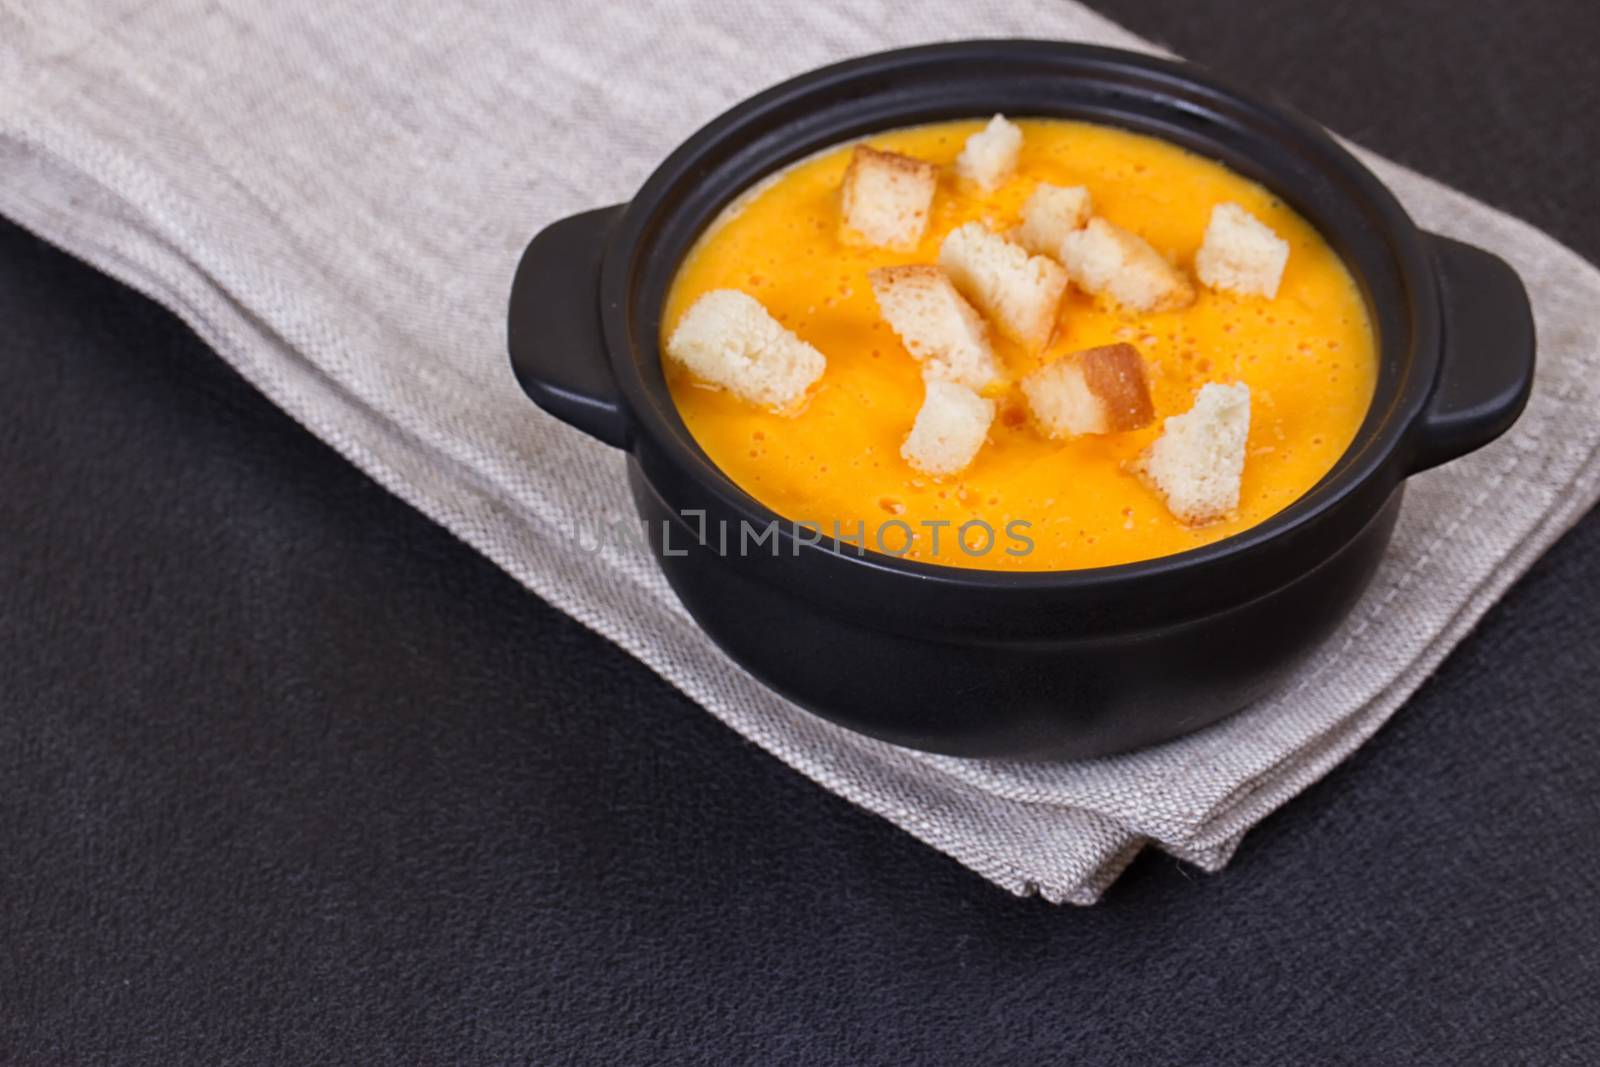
x=334, y=196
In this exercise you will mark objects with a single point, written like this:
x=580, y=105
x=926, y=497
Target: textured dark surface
x=288, y=775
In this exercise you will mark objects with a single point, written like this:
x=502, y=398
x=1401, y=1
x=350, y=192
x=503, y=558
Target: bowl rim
x=1384, y=433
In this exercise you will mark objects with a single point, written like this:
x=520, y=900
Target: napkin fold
x=334, y=195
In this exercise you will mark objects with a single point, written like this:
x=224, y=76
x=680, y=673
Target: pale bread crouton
x=990, y=155
x=1098, y=390
x=886, y=197
x=727, y=338
x=1052, y=212
x=1198, y=461
x=949, y=430
x=939, y=328
x=1103, y=258
x=1018, y=291
x=1241, y=253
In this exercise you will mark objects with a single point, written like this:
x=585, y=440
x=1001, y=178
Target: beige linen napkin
x=333, y=194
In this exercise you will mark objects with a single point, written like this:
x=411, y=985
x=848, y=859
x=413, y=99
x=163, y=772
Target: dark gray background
x=288, y=775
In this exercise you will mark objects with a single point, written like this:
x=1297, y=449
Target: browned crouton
x=886, y=197
x=1098, y=390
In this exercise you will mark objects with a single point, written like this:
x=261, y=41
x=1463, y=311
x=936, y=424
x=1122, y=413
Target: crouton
x=949, y=430
x=990, y=155
x=885, y=198
x=727, y=338
x=1098, y=390
x=1052, y=212
x=937, y=326
x=1198, y=461
x=1241, y=253
x=1107, y=259
x=1019, y=292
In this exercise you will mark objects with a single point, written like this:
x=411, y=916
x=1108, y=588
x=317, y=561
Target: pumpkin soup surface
x=1308, y=356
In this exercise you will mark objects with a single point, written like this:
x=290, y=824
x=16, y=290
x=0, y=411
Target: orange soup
x=1308, y=356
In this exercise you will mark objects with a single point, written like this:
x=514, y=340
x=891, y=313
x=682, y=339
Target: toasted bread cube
x=1017, y=291
x=990, y=155
x=727, y=338
x=1098, y=390
x=1052, y=212
x=937, y=326
x=1107, y=259
x=949, y=430
x=1198, y=461
x=1241, y=253
x=886, y=197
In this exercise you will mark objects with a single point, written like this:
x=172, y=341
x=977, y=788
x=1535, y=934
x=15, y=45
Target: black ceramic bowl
x=1058, y=664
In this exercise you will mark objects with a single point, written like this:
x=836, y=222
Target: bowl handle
x=553, y=329
x=1486, y=372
